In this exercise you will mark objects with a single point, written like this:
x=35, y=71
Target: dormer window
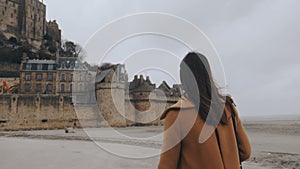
x=63, y=65
x=28, y=66
x=50, y=67
x=39, y=67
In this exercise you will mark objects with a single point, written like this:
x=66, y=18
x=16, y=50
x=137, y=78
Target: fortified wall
x=25, y=112
x=139, y=102
x=116, y=102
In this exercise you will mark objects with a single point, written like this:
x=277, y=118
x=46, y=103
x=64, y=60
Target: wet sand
x=275, y=145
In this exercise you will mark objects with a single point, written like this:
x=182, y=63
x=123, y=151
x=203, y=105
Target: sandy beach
x=275, y=145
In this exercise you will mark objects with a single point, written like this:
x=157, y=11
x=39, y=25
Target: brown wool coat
x=182, y=150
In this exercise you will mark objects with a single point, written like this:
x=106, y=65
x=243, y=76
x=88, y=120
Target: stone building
x=111, y=80
x=33, y=18
x=38, y=76
x=150, y=101
x=53, y=31
x=25, y=20
x=66, y=76
x=139, y=102
x=72, y=75
x=9, y=18
x=175, y=91
x=74, y=80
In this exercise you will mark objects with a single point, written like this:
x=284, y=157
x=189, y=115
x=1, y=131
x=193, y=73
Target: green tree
x=72, y=49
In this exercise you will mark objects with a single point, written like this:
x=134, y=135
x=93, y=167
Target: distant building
x=111, y=79
x=65, y=77
x=72, y=76
x=113, y=90
x=175, y=91
x=53, y=31
x=38, y=76
x=10, y=17
x=26, y=20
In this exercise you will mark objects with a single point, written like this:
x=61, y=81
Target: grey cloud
x=258, y=41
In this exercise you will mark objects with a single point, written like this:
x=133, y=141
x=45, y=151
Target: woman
x=199, y=130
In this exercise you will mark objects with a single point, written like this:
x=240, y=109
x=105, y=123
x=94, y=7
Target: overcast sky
x=257, y=41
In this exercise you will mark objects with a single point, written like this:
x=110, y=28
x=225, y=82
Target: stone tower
x=111, y=81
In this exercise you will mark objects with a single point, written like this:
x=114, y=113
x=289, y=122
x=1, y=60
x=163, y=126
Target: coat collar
x=183, y=103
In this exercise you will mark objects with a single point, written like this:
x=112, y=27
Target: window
x=80, y=87
x=62, y=88
x=38, y=88
x=89, y=77
x=62, y=77
x=50, y=67
x=71, y=77
x=27, y=87
x=11, y=15
x=15, y=11
x=28, y=66
x=39, y=67
x=81, y=77
x=50, y=77
x=49, y=88
x=71, y=87
x=39, y=77
x=27, y=77
x=63, y=65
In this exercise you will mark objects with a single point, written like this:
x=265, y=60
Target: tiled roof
x=101, y=75
x=39, y=65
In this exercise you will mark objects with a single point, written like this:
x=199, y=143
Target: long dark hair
x=197, y=82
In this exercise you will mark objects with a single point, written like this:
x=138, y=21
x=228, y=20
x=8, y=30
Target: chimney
x=148, y=79
x=142, y=78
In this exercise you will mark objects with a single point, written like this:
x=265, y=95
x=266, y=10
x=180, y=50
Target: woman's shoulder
x=182, y=103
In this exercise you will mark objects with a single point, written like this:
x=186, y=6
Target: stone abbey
x=25, y=20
